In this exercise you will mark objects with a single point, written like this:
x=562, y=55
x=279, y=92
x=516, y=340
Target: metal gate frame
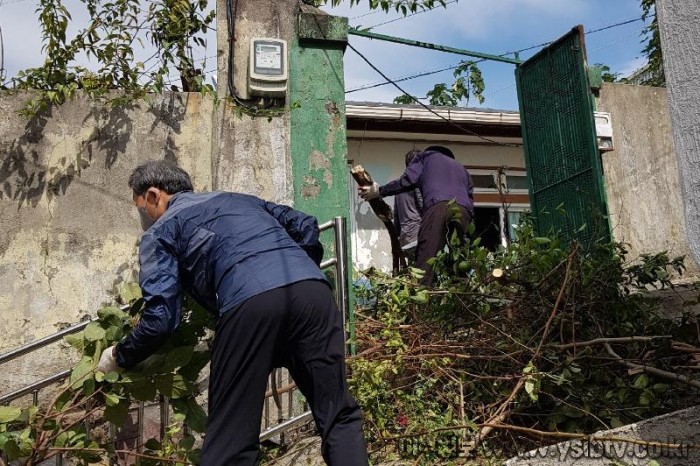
x=564, y=168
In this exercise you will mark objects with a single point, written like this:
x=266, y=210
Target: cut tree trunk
x=382, y=210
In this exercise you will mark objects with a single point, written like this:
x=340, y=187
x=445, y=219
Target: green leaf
x=177, y=358
x=81, y=372
x=531, y=388
x=94, y=332
x=187, y=442
x=421, y=297
x=112, y=399
x=118, y=413
x=153, y=444
x=142, y=390
x=172, y=385
x=111, y=377
x=641, y=381
x=89, y=386
x=107, y=312
x=195, y=417
x=541, y=240
x=12, y=450
x=9, y=413
x=76, y=341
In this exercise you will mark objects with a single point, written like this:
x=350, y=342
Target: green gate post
x=317, y=120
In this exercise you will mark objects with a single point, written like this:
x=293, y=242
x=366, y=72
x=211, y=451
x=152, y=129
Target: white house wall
x=384, y=160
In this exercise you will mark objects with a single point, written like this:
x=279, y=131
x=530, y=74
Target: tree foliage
x=101, y=58
x=652, y=50
x=469, y=82
x=75, y=421
x=562, y=341
x=172, y=29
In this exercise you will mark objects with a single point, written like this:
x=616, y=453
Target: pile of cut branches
x=517, y=347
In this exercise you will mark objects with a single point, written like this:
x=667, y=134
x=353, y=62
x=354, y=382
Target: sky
x=489, y=26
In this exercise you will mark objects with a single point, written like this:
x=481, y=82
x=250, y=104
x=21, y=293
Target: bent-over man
x=254, y=264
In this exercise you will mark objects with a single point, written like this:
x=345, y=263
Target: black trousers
x=297, y=326
x=435, y=228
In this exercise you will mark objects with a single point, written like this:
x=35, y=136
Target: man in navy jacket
x=440, y=179
x=255, y=265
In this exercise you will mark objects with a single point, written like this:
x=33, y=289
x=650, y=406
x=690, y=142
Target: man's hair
x=442, y=150
x=410, y=155
x=159, y=174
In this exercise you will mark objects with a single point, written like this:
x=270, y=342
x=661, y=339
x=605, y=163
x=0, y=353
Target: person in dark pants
x=440, y=179
x=408, y=207
x=255, y=265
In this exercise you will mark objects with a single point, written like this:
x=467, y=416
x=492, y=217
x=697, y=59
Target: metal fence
x=287, y=413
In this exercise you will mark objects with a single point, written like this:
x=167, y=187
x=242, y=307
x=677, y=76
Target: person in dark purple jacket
x=440, y=179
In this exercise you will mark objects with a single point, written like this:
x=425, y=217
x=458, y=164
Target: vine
x=75, y=421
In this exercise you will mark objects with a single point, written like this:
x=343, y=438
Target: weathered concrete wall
x=252, y=154
x=69, y=229
x=679, y=25
x=641, y=174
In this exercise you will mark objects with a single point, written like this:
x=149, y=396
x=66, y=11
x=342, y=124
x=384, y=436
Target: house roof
x=382, y=117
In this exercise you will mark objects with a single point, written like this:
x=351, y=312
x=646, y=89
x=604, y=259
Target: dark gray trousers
x=435, y=228
x=297, y=326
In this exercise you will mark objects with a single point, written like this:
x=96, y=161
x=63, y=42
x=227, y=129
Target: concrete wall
x=251, y=154
x=641, y=174
x=70, y=232
x=69, y=229
x=384, y=160
x=678, y=26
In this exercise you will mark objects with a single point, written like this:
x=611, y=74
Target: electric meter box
x=267, y=67
x=604, y=131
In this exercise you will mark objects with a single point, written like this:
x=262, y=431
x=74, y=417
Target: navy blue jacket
x=439, y=178
x=221, y=248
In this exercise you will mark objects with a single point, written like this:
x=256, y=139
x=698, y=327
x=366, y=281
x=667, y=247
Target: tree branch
x=652, y=370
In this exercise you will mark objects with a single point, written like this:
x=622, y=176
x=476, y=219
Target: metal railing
x=277, y=420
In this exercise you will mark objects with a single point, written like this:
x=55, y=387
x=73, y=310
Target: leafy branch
x=469, y=82
x=173, y=27
x=74, y=422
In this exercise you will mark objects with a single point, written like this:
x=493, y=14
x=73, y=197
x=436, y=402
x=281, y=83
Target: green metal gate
x=561, y=151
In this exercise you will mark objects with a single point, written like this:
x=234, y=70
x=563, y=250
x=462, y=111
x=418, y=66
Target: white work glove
x=369, y=192
x=108, y=362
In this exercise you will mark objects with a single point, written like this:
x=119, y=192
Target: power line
x=10, y=2
x=440, y=70
x=401, y=79
x=471, y=133
x=633, y=20
x=621, y=38
x=412, y=14
x=365, y=14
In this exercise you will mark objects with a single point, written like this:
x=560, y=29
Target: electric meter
x=267, y=67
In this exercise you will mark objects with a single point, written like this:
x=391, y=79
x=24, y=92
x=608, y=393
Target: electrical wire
x=232, y=7
x=464, y=130
x=412, y=14
x=512, y=52
x=11, y=2
x=2, y=54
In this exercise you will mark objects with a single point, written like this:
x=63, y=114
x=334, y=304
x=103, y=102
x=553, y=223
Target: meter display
x=267, y=67
x=268, y=59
